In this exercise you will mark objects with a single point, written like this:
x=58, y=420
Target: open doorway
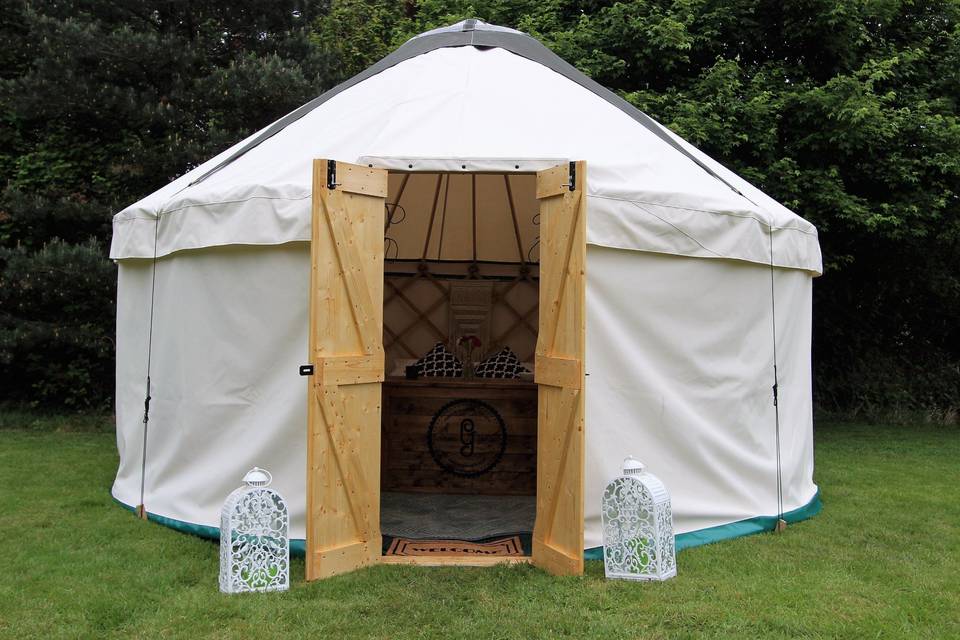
x=349, y=363
x=460, y=324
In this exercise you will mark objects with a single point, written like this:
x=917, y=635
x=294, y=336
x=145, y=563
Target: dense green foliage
x=844, y=110
x=78, y=565
x=101, y=103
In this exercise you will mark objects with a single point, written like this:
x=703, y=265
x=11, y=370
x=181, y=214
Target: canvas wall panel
x=678, y=355
x=230, y=329
x=680, y=370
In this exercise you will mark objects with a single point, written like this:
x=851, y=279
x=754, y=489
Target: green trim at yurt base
x=686, y=540
x=298, y=548
x=737, y=529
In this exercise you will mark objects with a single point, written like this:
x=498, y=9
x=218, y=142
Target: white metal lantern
x=637, y=521
x=254, y=537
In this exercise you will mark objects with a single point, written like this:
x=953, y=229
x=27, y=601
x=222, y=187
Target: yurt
x=443, y=301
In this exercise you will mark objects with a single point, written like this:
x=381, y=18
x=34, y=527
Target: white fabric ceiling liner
x=648, y=190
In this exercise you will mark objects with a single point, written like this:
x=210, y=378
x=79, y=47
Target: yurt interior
x=460, y=320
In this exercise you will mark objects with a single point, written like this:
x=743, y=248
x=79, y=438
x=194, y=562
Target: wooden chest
x=453, y=435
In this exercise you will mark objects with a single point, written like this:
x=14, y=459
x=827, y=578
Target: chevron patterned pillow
x=440, y=363
x=502, y=364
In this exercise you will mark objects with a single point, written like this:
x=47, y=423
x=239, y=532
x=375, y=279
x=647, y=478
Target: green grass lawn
x=881, y=561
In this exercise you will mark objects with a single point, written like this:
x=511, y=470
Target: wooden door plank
x=343, y=559
x=354, y=178
x=346, y=317
x=560, y=254
x=562, y=425
x=558, y=532
x=558, y=372
x=346, y=370
x=350, y=467
x=343, y=232
x=553, y=181
x=556, y=562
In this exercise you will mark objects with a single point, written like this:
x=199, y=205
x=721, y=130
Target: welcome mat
x=510, y=546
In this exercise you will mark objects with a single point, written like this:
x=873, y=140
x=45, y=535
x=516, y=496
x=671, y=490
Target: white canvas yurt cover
x=697, y=284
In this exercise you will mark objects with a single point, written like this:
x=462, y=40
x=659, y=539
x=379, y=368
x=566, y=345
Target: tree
x=101, y=103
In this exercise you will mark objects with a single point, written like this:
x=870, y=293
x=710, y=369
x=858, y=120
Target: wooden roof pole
x=513, y=214
x=433, y=214
x=474, y=269
x=443, y=218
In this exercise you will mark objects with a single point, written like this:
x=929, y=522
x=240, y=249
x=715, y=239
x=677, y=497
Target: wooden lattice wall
x=417, y=308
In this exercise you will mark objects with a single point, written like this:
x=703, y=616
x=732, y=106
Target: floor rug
x=510, y=546
x=436, y=516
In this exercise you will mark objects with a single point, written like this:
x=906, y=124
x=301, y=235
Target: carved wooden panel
x=452, y=457
x=470, y=309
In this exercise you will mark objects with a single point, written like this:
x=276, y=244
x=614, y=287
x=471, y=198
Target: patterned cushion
x=438, y=362
x=502, y=364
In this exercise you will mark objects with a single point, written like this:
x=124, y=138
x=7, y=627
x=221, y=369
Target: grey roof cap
x=467, y=25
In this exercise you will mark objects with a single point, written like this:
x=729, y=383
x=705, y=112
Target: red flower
x=472, y=341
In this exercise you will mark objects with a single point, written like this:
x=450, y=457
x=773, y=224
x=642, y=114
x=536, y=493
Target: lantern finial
x=632, y=466
x=257, y=477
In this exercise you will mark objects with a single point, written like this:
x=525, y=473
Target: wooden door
x=558, y=533
x=346, y=350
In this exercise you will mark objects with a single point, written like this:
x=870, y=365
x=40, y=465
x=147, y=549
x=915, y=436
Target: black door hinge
x=331, y=174
x=306, y=369
x=572, y=182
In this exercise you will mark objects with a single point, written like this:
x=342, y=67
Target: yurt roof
x=475, y=97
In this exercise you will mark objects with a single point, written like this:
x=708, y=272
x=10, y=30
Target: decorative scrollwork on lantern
x=254, y=537
x=637, y=520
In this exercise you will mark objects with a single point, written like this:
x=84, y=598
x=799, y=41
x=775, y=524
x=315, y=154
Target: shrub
x=57, y=318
